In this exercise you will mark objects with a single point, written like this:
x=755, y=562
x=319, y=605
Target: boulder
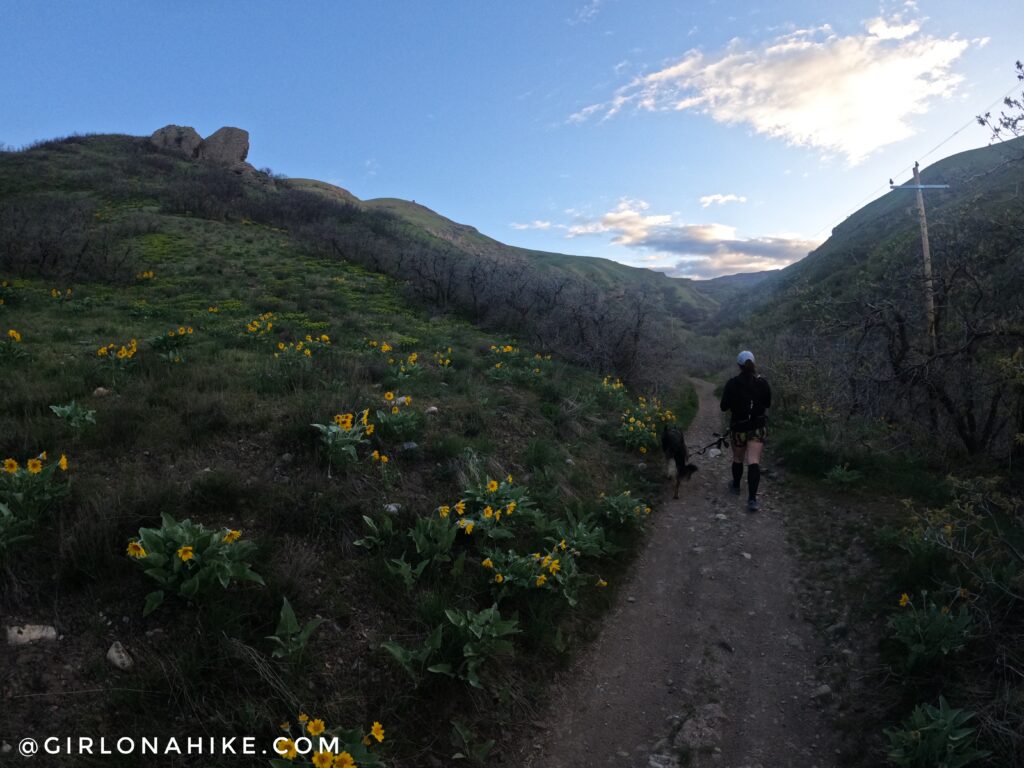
x=178, y=138
x=227, y=146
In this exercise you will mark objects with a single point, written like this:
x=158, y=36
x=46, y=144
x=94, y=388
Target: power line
x=871, y=195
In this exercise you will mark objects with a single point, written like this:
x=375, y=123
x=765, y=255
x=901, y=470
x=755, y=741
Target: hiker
x=748, y=397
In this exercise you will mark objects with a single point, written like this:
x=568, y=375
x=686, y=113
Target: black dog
x=673, y=443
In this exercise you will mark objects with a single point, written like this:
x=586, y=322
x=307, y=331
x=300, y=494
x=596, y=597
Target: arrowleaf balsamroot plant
x=189, y=559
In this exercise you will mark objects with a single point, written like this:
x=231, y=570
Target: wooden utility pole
x=929, y=288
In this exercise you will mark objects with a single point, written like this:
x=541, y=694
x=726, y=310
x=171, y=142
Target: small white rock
x=119, y=657
x=100, y=392
x=746, y=555
x=432, y=410
x=714, y=453
x=392, y=509
x=30, y=633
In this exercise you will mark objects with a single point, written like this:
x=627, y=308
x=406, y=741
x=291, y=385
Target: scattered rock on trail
x=392, y=509
x=432, y=410
x=701, y=731
x=409, y=446
x=100, y=392
x=821, y=692
x=118, y=656
x=30, y=633
x=714, y=453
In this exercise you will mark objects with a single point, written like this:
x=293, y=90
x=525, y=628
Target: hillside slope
x=682, y=297
x=985, y=183
x=190, y=351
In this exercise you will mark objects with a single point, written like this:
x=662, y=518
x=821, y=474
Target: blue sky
x=694, y=138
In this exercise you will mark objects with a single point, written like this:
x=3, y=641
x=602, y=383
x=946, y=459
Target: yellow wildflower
x=555, y=567
x=394, y=409
x=232, y=536
x=488, y=563
x=460, y=507
x=488, y=513
x=492, y=486
x=541, y=580
x=509, y=479
x=136, y=550
x=511, y=507
x=307, y=353
x=377, y=731
x=186, y=553
x=389, y=396
x=315, y=727
x=469, y=527
x=323, y=760
x=369, y=430
x=303, y=717
x=34, y=466
x=285, y=726
x=384, y=459
x=904, y=600
x=602, y=583
x=10, y=466
x=499, y=578
x=286, y=749
x=344, y=760
x=444, y=511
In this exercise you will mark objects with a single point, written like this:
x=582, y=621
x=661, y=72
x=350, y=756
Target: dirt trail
x=703, y=660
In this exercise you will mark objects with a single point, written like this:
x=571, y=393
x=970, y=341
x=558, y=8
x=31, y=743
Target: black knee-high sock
x=737, y=473
x=753, y=478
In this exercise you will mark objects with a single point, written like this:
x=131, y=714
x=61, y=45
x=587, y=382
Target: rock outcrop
x=227, y=146
x=178, y=138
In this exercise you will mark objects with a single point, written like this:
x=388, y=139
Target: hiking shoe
x=752, y=505
x=734, y=489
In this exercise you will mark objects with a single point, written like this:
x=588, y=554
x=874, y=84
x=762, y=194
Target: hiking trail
x=704, y=659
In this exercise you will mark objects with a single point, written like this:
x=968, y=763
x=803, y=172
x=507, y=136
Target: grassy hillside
x=682, y=297
x=199, y=351
x=985, y=183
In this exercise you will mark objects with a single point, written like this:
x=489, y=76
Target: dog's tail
x=687, y=470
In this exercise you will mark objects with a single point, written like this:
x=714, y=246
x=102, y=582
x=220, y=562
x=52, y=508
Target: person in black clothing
x=748, y=397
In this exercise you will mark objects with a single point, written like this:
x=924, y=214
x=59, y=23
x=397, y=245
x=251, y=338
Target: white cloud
x=586, y=13
x=535, y=224
x=699, y=250
x=892, y=29
x=627, y=222
x=718, y=199
x=840, y=94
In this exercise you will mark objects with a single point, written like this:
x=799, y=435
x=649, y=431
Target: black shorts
x=740, y=439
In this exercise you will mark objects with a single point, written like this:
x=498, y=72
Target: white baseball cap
x=744, y=356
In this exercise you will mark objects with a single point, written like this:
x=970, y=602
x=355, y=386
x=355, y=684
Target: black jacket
x=748, y=398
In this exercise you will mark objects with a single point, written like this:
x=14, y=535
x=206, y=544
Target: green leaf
x=287, y=624
x=153, y=601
